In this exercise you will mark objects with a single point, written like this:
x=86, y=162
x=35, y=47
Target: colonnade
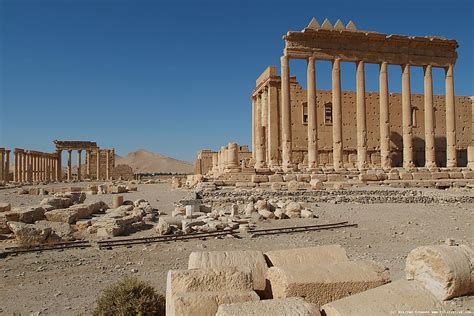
x=109, y=153
x=361, y=118
x=34, y=166
x=226, y=159
x=4, y=165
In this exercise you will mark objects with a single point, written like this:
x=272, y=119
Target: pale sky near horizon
x=176, y=76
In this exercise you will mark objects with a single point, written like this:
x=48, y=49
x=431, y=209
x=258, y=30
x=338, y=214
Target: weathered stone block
x=286, y=306
x=62, y=215
x=57, y=202
x=27, y=215
x=28, y=234
x=335, y=177
x=439, y=175
x=289, y=177
x=323, y=283
x=319, y=176
x=259, y=178
x=402, y=295
x=275, y=178
x=421, y=176
x=5, y=207
x=406, y=176
x=364, y=177
x=456, y=175
x=307, y=256
x=303, y=178
x=244, y=260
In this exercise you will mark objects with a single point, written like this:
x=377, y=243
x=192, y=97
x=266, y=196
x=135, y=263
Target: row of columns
x=4, y=165
x=109, y=153
x=31, y=166
x=226, y=159
x=361, y=118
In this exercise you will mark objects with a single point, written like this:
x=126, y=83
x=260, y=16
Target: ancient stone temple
x=348, y=135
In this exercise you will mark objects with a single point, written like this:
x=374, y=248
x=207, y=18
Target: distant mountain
x=143, y=161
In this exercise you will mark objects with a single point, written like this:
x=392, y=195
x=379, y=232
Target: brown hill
x=143, y=161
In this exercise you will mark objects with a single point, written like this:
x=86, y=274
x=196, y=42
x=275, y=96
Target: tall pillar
x=79, y=163
x=15, y=171
x=88, y=163
x=107, y=164
x=98, y=164
x=29, y=167
x=361, y=117
x=254, y=128
x=233, y=157
x=451, y=159
x=23, y=167
x=407, y=119
x=337, y=146
x=6, y=169
x=430, y=148
x=260, y=161
x=215, y=163
x=2, y=164
x=273, y=126
x=385, y=162
x=264, y=107
x=286, y=146
x=59, y=168
x=69, y=165
x=312, y=116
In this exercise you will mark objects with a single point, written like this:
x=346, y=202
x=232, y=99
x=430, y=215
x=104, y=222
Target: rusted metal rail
x=165, y=238
x=43, y=247
x=297, y=229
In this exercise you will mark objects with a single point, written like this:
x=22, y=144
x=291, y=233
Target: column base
x=289, y=167
x=260, y=165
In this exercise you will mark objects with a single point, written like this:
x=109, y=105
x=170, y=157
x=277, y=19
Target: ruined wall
x=464, y=126
x=103, y=163
x=203, y=162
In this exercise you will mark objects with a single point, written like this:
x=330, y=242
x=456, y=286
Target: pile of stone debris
x=104, y=188
x=65, y=217
x=191, y=216
x=316, y=280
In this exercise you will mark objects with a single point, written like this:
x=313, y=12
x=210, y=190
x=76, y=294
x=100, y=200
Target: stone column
x=15, y=171
x=273, y=128
x=260, y=161
x=361, y=117
x=286, y=146
x=312, y=116
x=98, y=164
x=264, y=107
x=79, y=163
x=107, y=164
x=47, y=168
x=215, y=163
x=59, y=168
x=29, y=167
x=23, y=167
x=254, y=122
x=430, y=148
x=69, y=165
x=337, y=146
x=223, y=158
x=451, y=159
x=88, y=163
x=385, y=162
x=233, y=157
x=407, y=119
x=2, y=164
x=6, y=169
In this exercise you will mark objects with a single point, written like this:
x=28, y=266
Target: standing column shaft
x=59, y=167
x=286, y=147
x=407, y=119
x=23, y=169
x=69, y=165
x=264, y=107
x=79, y=163
x=88, y=163
x=260, y=154
x=273, y=128
x=15, y=171
x=451, y=159
x=254, y=128
x=7, y=165
x=107, y=164
x=430, y=151
x=361, y=118
x=2, y=164
x=385, y=162
x=337, y=150
x=312, y=116
x=98, y=164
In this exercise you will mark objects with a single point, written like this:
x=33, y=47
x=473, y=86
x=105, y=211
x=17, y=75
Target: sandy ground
x=69, y=282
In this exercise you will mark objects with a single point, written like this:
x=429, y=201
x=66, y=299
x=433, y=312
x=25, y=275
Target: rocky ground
x=68, y=282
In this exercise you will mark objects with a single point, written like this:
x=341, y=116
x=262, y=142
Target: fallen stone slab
x=446, y=271
x=200, y=291
x=27, y=215
x=274, y=307
x=59, y=231
x=5, y=207
x=62, y=215
x=57, y=202
x=397, y=297
x=166, y=224
x=306, y=256
x=323, y=283
x=29, y=234
x=244, y=260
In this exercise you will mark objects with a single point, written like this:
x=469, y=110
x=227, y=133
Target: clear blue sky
x=176, y=76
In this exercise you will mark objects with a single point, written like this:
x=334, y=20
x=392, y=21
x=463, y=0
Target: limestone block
x=59, y=231
x=306, y=256
x=421, y=176
x=406, y=176
x=456, y=175
x=335, y=177
x=266, y=213
x=439, y=175
x=83, y=210
x=28, y=234
x=203, y=289
x=393, y=176
x=319, y=176
x=62, y=215
x=244, y=184
x=468, y=174
x=27, y=215
x=57, y=202
x=249, y=260
x=316, y=184
x=303, y=178
x=325, y=283
x=289, y=177
x=307, y=213
x=364, y=177
x=446, y=271
x=293, y=186
x=275, y=307
x=259, y=178
x=5, y=207
x=399, y=296
x=117, y=201
x=275, y=178
x=207, y=303
x=97, y=206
